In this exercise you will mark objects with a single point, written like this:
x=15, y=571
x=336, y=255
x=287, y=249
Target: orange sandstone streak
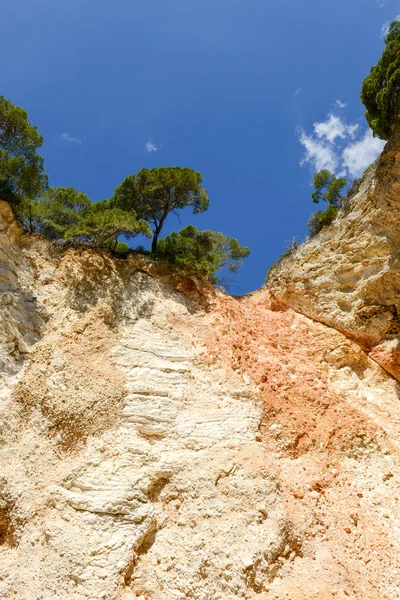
x=287, y=355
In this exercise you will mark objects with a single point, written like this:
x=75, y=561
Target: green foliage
x=21, y=168
x=117, y=247
x=327, y=187
x=320, y=219
x=28, y=213
x=66, y=213
x=140, y=249
x=140, y=205
x=324, y=180
x=380, y=92
x=203, y=252
x=101, y=221
x=61, y=209
x=154, y=194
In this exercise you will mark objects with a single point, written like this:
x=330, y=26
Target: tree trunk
x=154, y=241
x=157, y=232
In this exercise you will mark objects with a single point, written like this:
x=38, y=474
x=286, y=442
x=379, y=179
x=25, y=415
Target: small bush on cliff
x=21, y=167
x=116, y=247
x=380, y=92
x=154, y=194
x=320, y=219
x=327, y=187
x=204, y=252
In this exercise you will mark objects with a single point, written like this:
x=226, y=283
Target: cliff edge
x=348, y=276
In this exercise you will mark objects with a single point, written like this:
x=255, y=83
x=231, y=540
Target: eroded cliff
x=348, y=276
x=160, y=439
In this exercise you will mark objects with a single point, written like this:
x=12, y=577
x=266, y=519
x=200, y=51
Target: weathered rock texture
x=161, y=440
x=348, y=276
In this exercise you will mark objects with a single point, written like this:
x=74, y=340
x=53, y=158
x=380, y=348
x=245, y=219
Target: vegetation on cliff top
x=381, y=89
x=139, y=206
x=154, y=194
x=21, y=167
x=143, y=201
x=327, y=187
x=202, y=251
x=380, y=94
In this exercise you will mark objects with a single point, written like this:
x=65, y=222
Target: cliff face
x=348, y=276
x=160, y=440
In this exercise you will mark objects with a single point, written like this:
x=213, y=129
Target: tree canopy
x=202, y=251
x=21, y=167
x=60, y=210
x=154, y=194
x=28, y=212
x=100, y=223
x=380, y=92
x=140, y=205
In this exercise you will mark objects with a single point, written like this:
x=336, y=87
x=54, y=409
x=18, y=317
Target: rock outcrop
x=348, y=276
x=160, y=439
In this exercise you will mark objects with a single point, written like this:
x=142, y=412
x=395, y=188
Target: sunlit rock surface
x=348, y=276
x=160, y=440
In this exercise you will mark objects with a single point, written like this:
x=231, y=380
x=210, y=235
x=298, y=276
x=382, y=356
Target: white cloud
x=72, y=140
x=319, y=154
x=359, y=155
x=340, y=104
x=296, y=92
x=339, y=147
x=386, y=25
x=334, y=128
x=385, y=29
x=151, y=147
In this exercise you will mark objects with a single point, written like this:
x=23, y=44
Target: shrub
x=203, y=252
x=328, y=187
x=117, y=247
x=320, y=219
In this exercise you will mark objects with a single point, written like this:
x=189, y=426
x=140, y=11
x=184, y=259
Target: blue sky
x=254, y=94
